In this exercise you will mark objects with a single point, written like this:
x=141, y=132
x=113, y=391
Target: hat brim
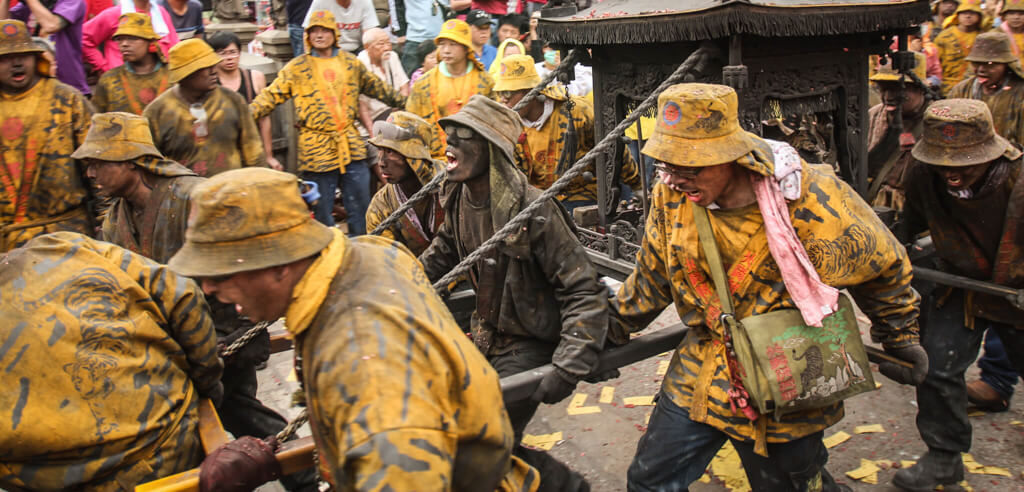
x=970, y=155
x=205, y=61
x=468, y=46
x=515, y=85
x=704, y=152
x=254, y=253
x=147, y=37
x=492, y=135
x=124, y=151
x=407, y=148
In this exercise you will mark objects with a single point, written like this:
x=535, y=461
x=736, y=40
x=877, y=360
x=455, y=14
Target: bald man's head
x=376, y=42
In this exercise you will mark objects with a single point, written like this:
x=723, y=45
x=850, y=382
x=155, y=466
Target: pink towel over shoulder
x=813, y=298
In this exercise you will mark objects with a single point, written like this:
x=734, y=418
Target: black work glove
x=594, y=378
x=239, y=466
x=913, y=354
x=556, y=386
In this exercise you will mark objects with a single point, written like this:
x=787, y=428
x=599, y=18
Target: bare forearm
x=5, y=9
x=49, y=22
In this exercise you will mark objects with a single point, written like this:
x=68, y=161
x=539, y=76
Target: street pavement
x=599, y=439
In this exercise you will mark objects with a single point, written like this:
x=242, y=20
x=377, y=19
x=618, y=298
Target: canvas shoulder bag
x=787, y=365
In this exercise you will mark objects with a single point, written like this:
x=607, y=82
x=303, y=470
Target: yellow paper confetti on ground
x=607, y=394
x=975, y=413
x=542, y=441
x=292, y=376
x=647, y=418
x=867, y=429
x=638, y=401
x=878, y=385
x=662, y=367
x=576, y=406
x=1016, y=422
x=963, y=486
x=907, y=463
x=980, y=469
x=727, y=467
x=835, y=439
x=867, y=472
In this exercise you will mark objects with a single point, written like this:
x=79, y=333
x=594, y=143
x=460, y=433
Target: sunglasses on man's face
x=456, y=133
x=678, y=171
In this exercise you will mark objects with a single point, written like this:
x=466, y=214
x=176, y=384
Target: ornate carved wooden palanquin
x=806, y=65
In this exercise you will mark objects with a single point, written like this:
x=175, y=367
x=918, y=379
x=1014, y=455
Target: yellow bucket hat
x=247, y=219
x=188, y=56
x=456, y=30
x=405, y=133
x=325, y=19
x=15, y=39
x=970, y=6
x=886, y=73
x=697, y=126
x=1012, y=5
x=959, y=133
x=136, y=24
x=517, y=72
x=117, y=137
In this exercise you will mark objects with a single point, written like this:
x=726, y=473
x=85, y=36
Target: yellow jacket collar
x=309, y=294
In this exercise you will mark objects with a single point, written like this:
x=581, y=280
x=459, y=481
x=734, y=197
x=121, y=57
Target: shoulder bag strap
x=707, y=241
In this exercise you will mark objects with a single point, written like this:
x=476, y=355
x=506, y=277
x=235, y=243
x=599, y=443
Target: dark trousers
x=554, y=475
x=952, y=348
x=675, y=451
x=355, y=195
x=996, y=369
x=244, y=415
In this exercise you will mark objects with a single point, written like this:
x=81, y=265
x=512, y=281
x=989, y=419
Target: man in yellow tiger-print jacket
x=42, y=121
x=325, y=85
x=398, y=397
x=447, y=87
x=546, y=121
x=106, y=354
x=144, y=74
x=706, y=160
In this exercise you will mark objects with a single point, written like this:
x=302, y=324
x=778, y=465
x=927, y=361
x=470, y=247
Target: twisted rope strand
x=519, y=221
x=244, y=339
x=293, y=426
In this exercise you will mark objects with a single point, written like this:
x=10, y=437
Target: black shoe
x=934, y=469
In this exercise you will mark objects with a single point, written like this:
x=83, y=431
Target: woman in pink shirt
x=99, y=29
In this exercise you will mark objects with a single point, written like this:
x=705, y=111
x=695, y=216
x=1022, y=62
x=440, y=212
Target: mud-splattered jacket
x=399, y=399
x=160, y=231
x=1006, y=104
x=897, y=156
x=231, y=142
x=107, y=354
x=326, y=96
x=981, y=237
x=542, y=148
x=414, y=235
x=121, y=89
x=43, y=190
x=539, y=284
x=846, y=242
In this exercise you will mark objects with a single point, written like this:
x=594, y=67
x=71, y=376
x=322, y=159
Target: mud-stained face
x=202, y=80
x=133, y=49
x=990, y=75
x=467, y=154
x=961, y=178
x=17, y=72
x=394, y=167
x=260, y=295
x=912, y=98
x=113, y=179
x=701, y=185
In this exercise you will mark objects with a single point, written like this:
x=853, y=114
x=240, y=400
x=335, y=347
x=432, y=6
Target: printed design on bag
x=819, y=377
x=783, y=374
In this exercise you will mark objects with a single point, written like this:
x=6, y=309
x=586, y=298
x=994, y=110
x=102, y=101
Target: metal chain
x=435, y=183
x=293, y=426
x=244, y=339
x=519, y=221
